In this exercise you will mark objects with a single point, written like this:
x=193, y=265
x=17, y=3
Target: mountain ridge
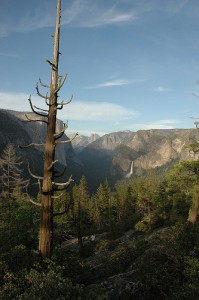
x=109, y=156
x=113, y=153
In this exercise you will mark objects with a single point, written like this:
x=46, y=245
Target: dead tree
x=11, y=179
x=49, y=116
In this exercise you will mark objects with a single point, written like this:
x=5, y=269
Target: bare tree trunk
x=46, y=220
x=49, y=117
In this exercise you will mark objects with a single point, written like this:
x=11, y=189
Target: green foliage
x=18, y=223
x=39, y=282
x=50, y=285
x=181, y=182
x=103, y=245
x=193, y=147
x=142, y=225
x=190, y=288
x=73, y=264
x=158, y=260
x=125, y=254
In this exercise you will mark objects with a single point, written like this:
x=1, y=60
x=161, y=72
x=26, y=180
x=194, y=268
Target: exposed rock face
x=161, y=147
x=111, y=141
x=82, y=141
x=98, y=158
x=37, y=133
x=113, y=153
x=15, y=129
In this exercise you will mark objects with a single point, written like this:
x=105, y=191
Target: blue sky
x=131, y=64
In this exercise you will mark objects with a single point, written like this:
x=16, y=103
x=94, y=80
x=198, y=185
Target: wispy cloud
x=161, y=89
x=115, y=82
x=27, y=23
x=77, y=110
x=99, y=111
x=89, y=14
x=17, y=101
x=9, y=54
x=160, y=124
x=168, y=121
x=151, y=126
x=80, y=13
x=173, y=7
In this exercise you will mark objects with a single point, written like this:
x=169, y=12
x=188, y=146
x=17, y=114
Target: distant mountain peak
x=82, y=141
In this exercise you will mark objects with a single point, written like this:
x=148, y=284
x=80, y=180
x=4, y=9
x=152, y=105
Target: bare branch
x=52, y=164
x=68, y=141
x=62, y=186
x=60, y=213
x=62, y=103
x=61, y=83
x=44, y=85
x=60, y=134
x=36, y=112
x=31, y=174
x=195, y=95
x=51, y=64
x=58, y=196
x=32, y=145
x=197, y=124
x=38, y=120
x=47, y=98
x=32, y=201
x=60, y=174
x=35, y=203
x=39, y=184
x=46, y=110
x=40, y=95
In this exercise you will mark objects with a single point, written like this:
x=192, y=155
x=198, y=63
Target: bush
x=103, y=245
x=25, y=275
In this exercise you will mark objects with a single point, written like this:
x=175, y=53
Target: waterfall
x=131, y=171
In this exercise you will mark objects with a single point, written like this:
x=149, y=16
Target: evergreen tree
x=103, y=205
x=182, y=189
x=124, y=200
x=145, y=189
x=126, y=204
x=80, y=209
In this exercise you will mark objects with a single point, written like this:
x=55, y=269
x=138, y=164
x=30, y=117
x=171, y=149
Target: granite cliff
x=116, y=154
x=81, y=141
x=15, y=129
x=113, y=156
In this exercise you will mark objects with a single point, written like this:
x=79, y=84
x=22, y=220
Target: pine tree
x=103, y=205
x=11, y=178
x=125, y=204
x=80, y=209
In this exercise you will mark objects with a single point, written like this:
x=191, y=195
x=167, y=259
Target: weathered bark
x=46, y=220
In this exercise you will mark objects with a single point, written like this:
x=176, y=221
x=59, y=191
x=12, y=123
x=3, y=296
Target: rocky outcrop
x=110, y=156
x=147, y=149
x=37, y=132
x=161, y=147
x=81, y=141
x=15, y=129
